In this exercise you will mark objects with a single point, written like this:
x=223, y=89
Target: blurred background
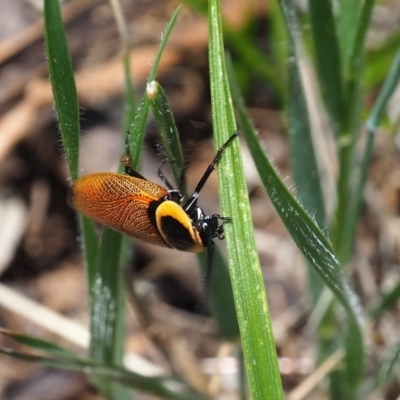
x=40, y=249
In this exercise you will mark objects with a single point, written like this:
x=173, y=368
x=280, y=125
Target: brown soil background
x=40, y=254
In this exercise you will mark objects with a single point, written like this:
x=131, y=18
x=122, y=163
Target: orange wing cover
x=120, y=202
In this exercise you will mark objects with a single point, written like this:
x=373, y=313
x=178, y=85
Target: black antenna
x=191, y=202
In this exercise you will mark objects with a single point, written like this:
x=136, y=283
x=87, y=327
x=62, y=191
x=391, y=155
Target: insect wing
x=120, y=202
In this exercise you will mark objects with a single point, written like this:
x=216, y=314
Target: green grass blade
x=164, y=39
x=310, y=240
x=63, y=83
x=138, y=123
x=384, y=96
x=279, y=43
x=66, y=104
x=91, y=245
x=164, y=387
x=355, y=53
x=39, y=344
x=248, y=286
x=346, y=14
x=157, y=99
x=137, y=131
x=328, y=60
x=304, y=164
x=106, y=307
x=166, y=124
x=353, y=68
x=372, y=124
x=302, y=154
x=387, y=299
x=107, y=316
x=377, y=60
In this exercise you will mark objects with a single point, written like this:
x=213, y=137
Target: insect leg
x=162, y=176
x=191, y=202
x=220, y=230
x=202, y=307
x=126, y=158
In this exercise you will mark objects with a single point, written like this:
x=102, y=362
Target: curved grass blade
x=164, y=387
x=372, y=124
x=248, y=286
x=39, y=344
x=302, y=155
x=387, y=299
x=310, y=240
x=304, y=163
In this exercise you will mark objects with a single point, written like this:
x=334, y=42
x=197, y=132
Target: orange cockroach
x=136, y=207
